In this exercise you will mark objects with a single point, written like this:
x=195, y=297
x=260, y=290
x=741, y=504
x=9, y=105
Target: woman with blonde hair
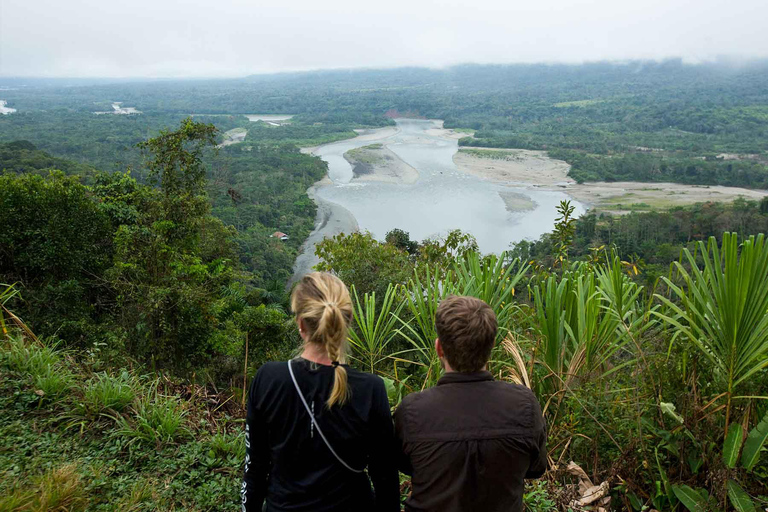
x=314, y=424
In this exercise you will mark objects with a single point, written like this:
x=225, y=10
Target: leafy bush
x=154, y=418
x=104, y=392
x=53, y=383
x=31, y=358
x=537, y=499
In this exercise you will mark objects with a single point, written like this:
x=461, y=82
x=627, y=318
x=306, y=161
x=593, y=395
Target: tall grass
x=153, y=418
x=32, y=358
x=41, y=364
x=59, y=489
x=105, y=392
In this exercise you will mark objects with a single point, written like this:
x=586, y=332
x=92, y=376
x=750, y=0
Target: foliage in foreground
x=111, y=440
x=659, y=392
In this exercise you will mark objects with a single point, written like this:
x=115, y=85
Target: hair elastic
x=335, y=364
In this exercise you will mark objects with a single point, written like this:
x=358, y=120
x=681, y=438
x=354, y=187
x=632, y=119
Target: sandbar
x=535, y=169
x=379, y=164
x=233, y=136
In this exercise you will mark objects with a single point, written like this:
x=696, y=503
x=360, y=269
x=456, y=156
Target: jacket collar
x=461, y=377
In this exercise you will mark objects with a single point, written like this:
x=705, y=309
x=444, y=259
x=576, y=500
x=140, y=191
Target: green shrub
x=107, y=393
x=227, y=449
x=53, y=383
x=536, y=498
x=31, y=358
x=155, y=418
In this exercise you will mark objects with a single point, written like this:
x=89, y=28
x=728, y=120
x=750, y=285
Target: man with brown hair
x=469, y=442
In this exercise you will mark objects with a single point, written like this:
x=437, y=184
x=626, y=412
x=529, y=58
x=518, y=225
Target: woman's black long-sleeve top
x=288, y=464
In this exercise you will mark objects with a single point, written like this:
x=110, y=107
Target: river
x=4, y=109
x=443, y=198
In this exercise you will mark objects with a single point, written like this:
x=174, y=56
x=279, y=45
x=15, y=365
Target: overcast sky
x=200, y=38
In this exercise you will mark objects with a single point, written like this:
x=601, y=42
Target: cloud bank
x=195, y=38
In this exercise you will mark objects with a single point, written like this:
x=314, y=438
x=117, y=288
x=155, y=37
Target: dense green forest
x=652, y=239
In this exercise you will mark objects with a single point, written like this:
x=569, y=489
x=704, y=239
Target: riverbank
x=447, y=133
x=233, y=136
x=331, y=220
x=522, y=167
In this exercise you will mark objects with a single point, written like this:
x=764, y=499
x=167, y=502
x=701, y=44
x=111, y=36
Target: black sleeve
x=538, y=464
x=257, y=462
x=382, y=465
x=403, y=460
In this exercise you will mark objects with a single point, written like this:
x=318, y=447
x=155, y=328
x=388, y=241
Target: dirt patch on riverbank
x=378, y=163
x=626, y=196
x=233, y=136
x=448, y=133
x=536, y=169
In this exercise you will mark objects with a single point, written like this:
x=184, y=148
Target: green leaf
x=695, y=462
x=635, y=501
x=732, y=445
x=754, y=443
x=389, y=384
x=694, y=500
x=740, y=499
x=669, y=409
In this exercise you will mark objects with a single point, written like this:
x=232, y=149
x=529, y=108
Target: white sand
x=233, y=136
x=536, y=169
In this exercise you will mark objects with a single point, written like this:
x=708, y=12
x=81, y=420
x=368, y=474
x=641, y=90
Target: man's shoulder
x=500, y=389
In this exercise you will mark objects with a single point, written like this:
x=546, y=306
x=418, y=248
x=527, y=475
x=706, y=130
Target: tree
x=56, y=242
x=360, y=260
x=175, y=164
x=171, y=264
x=402, y=240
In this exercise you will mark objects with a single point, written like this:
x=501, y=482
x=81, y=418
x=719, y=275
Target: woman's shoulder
x=271, y=368
x=365, y=378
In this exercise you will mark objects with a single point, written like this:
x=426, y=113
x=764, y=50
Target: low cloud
x=237, y=37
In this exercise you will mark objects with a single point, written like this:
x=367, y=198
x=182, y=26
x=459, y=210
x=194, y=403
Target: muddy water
x=442, y=199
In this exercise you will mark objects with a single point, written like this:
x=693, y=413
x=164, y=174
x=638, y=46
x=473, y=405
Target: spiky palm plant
x=722, y=308
x=374, y=327
x=584, y=319
x=422, y=299
x=492, y=280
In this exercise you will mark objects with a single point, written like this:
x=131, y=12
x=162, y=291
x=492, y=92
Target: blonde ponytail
x=321, y=301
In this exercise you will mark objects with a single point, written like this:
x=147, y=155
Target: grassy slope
x=71, y=447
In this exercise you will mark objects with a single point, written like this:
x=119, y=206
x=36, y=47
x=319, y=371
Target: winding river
x=443, y=198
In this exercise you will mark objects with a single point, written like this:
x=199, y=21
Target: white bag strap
x=314, y=422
